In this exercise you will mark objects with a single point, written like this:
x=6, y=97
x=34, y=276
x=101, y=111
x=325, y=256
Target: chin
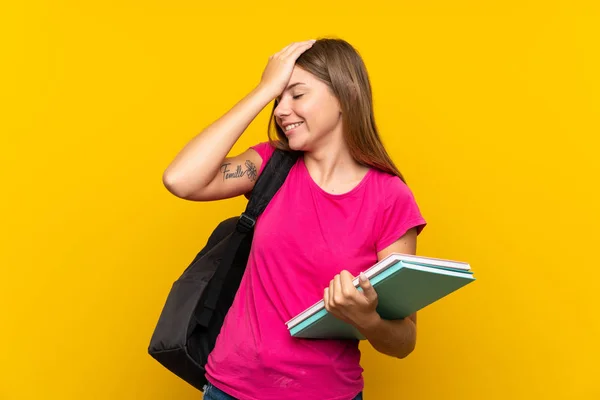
x=296, y=145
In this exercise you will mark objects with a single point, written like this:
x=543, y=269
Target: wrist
x=371, y=323
x=265, y=91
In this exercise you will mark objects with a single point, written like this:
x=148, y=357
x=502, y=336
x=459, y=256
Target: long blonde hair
x=339, y=65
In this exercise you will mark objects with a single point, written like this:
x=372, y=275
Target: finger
x=368, y=289
x=347, y=286
x=297, y=49
x=284, y=49
x=326, y=298
x=331, y=294
x=338, y=296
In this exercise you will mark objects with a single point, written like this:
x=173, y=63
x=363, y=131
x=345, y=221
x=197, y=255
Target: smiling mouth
x=291, y=127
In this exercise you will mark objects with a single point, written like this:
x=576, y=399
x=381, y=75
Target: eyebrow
x=288, y=88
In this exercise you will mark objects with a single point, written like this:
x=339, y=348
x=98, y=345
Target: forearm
x=395, y=338
x=200, y=159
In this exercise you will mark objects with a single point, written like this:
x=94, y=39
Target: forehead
x=300, y=75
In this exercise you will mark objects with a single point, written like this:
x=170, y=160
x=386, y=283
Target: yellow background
x=490, y=109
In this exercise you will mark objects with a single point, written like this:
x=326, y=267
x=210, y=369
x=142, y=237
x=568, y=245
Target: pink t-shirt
x=304, y=237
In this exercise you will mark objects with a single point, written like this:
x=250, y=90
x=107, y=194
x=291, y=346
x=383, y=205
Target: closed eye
x=298, y=96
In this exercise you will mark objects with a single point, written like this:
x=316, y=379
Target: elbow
x=411, y=339
x=406, y=352
x=175, y=185
x=408, y=349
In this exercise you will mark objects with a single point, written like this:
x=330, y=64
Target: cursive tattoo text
x=239, y=172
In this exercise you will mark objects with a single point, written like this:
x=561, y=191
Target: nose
x=282, y=110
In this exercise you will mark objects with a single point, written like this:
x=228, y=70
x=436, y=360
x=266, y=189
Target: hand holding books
x=404, y=284
x=355, y=306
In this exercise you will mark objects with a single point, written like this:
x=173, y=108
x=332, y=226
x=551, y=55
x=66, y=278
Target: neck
x=332, y=164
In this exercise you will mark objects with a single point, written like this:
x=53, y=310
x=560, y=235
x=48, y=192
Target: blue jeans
x=213, y=393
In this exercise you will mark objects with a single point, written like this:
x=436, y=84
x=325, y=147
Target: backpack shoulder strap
x=268, y=183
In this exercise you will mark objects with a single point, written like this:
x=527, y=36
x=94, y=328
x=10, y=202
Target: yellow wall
x=491, y=111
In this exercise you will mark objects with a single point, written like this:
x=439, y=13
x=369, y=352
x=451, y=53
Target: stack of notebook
x=404, y=284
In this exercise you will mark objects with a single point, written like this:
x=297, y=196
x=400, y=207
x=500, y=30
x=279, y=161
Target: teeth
x=292, y=126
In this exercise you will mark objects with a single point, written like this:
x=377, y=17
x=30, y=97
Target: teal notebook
x=404, y=285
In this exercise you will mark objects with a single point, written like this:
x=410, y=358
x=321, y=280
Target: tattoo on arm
x=250, y=171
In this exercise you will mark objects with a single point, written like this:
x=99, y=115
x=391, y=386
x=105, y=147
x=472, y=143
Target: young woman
x=343, y=207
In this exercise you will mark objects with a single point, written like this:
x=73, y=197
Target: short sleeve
x=398, y=213
x=265, y=150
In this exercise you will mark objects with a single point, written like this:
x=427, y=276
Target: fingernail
x=363, y=277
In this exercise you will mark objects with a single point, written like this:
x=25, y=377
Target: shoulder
x=265, y=150
x=391, y=187
x=397, y=209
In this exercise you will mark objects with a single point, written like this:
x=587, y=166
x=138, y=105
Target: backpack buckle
x=245, y=223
